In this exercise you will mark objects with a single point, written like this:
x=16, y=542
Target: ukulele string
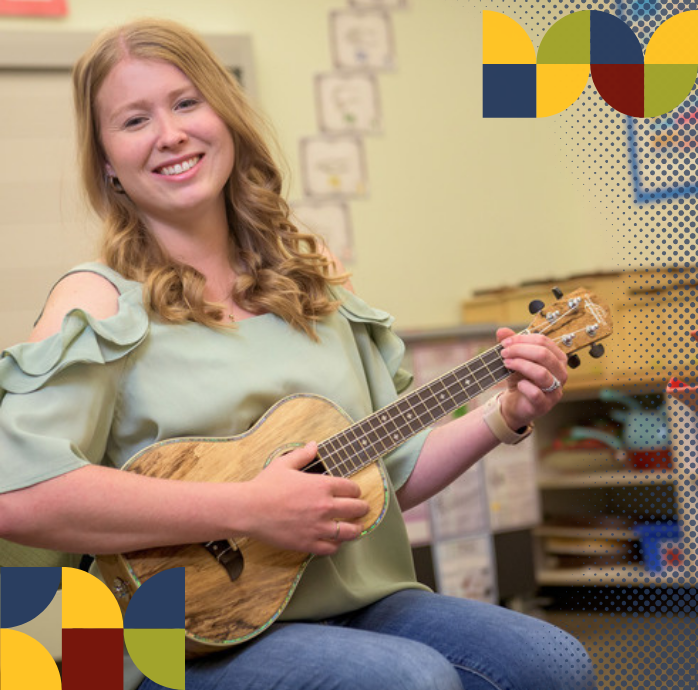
x=371, y=448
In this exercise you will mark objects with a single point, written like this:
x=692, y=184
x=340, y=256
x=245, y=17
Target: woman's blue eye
x=187, y=103
x=134, y=121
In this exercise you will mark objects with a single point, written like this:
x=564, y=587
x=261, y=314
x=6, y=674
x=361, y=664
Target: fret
x=473, y=390
x=374, y=434
x=478, y=369
x=355, y=448
x=470, y=377
x=388, y=424
x=329, y=451
x=491, y=359
x=440, y=397
x=487, y=380
x=422, y=409
x=408, y=414
x=453, y=385
x=492, y=356
x=495, y=364
x=350, y=448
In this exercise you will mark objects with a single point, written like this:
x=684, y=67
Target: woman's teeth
x=179, y=167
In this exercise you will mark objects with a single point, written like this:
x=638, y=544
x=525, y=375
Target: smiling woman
x=169, y=150
x=150, y=97
x=135, y=350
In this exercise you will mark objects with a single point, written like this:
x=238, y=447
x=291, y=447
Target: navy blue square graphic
x=508, y=90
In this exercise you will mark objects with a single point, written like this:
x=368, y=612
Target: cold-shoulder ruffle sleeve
x=58, y=396
x=382, y=353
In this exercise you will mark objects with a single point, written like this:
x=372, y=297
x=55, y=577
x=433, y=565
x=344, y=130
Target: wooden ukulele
x=236, y=588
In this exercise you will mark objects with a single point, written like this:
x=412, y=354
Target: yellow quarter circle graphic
x=558, y=87
x=87, y=602
x=504, y=41
x=25, y=663
x=674, y=42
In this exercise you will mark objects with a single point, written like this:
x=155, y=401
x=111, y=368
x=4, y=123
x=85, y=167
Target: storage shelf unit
x=622, y=575
x=650, y=345
x=591, y=480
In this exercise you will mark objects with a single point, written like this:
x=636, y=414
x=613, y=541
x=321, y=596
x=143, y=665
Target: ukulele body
x=219, y=611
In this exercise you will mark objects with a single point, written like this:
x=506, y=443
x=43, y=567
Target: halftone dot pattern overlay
x=636, y=602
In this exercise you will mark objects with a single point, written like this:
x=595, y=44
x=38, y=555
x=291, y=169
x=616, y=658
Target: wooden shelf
x=618, y=575
x=597, y=480
x=584, y=532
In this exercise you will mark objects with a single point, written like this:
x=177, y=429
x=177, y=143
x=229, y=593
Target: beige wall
x=456, y=202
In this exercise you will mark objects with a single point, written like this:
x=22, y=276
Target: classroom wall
x=456, y=202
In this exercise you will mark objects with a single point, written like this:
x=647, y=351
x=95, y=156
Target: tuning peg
x=535, y=306
x=596, y=350
x=573, y=361
x=557, y=292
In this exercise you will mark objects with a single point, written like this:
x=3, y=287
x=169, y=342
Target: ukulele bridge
x=227, y=553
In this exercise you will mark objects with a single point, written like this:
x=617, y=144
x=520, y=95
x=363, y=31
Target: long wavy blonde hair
x=280, y=269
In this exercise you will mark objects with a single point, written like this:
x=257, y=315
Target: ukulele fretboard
x=362, y=443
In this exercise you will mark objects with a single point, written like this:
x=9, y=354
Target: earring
x=115, y=184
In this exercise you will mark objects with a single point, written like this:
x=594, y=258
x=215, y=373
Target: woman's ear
x=109, y=170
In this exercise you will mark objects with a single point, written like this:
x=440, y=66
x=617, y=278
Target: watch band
x=495, y=421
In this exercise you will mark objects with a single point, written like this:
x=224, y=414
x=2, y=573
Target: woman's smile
x=176, y=169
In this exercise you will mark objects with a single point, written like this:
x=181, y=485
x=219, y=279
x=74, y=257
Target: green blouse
x=101, y=390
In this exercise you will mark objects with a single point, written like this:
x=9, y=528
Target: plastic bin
x=661, y=545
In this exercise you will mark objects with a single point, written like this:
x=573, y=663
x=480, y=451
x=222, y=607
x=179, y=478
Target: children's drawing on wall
x=465, y=568
x=362, y=39
x=348, y=102
x=330, y=221
x=388, y=4
x=333, y=166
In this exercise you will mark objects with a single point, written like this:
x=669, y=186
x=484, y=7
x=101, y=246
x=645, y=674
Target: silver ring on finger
x=553, y=386
x=336, y=531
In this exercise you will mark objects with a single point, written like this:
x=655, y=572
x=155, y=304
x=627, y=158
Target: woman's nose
x=171, y=133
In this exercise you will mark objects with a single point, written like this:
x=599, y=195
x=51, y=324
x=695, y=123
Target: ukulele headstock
x=574, y=321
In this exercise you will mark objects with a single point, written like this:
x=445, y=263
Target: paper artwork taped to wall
x=333, y=167
x=362, y=39
x=388, y=4
x=465, y=568
x=330, y=221
x=348, y=102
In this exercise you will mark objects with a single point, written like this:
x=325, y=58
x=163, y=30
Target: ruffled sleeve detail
x=379, y=323
x=82, y=339
x=59, y=396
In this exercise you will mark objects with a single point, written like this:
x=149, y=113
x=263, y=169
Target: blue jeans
x=412, y=640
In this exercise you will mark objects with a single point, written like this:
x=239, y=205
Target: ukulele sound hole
x=315, y=466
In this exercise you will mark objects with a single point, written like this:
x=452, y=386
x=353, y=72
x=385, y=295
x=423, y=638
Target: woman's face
x=171, y=152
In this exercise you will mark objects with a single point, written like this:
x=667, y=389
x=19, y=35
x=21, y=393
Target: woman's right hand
x=303, y=511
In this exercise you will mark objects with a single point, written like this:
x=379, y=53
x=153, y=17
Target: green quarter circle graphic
x=158, y=653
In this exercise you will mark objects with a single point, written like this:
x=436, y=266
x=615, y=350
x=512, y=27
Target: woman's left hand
x=540, y=371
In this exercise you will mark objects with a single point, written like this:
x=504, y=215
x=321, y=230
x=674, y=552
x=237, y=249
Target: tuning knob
x=557, y=292
x=596, y=350
x=535, y=306
x=573, y=361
